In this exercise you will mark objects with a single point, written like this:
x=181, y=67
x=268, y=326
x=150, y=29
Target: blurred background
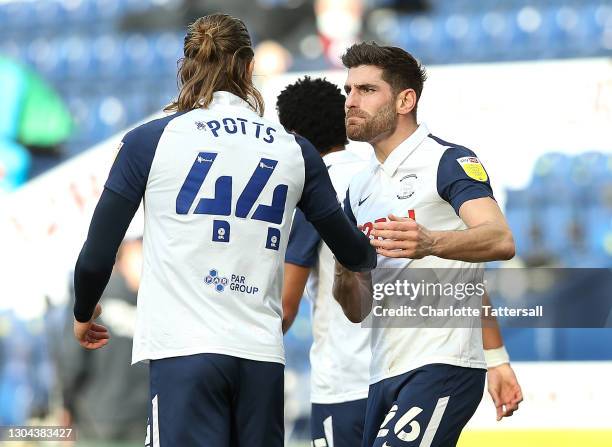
x=527, y=84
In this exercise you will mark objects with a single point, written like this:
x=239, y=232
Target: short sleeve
x=130, y=171
x=304, y=240
x=319, y=198
x=462, y=177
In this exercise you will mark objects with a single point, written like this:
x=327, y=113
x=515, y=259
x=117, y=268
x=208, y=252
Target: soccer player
x=426, y=203
x=340, y=352
x=219, y=185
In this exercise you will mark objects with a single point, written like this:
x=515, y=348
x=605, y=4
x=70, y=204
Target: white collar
x=333, y=157
x=224, y=98
x=401, y=152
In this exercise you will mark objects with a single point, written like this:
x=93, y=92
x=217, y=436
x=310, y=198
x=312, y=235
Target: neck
x=333, y=149
x=386, y=143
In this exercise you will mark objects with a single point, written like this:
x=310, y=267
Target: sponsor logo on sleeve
x=473, y=168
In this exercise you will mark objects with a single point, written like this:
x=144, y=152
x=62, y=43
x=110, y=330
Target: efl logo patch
x=473, y=168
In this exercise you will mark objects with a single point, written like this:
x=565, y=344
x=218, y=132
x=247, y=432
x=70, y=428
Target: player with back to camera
x=220, y=185
x=426, y=204
x=340, y=352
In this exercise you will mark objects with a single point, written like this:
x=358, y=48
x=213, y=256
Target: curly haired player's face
x=370, y=104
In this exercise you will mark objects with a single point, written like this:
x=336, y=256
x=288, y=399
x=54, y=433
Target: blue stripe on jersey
x=130, y=171
x=454, y=185
x=348, y=210
x=303, y=245
x=319, y=198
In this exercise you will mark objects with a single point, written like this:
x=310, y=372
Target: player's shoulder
x=307, y=149
x=448, y=149
x=150, y=129
x=458, y=162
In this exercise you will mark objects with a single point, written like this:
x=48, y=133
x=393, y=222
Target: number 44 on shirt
x=221, y=203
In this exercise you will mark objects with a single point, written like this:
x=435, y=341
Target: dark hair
x=400, y=69
x=217, y=52
x=314, y=108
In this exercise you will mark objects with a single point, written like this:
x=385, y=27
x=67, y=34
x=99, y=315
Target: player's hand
x=91, y=335
x=504, y=390
x=402, y=237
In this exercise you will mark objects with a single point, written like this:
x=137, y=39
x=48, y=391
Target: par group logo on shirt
x=216, y=281
x=236, y=283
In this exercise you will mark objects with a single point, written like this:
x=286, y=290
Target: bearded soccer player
x=426, y=203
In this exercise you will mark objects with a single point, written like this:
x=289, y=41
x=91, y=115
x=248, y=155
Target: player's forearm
x=294, y=284
x=91, y=276
x=482, y=243
x=491, y=334
x=353, y=291
x=94, y=266
x=348, y=244
x=288, y=320
x=291, y=303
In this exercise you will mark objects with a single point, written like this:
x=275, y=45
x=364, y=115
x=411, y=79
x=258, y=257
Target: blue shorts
x=425, y=407
x=214, y=400
x=338, y=425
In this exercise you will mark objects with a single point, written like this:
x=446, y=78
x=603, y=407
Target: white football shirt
x=340, y=352
x=427, y=179
x=220, y=186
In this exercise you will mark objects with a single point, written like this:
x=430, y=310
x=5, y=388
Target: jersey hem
x=429, y=361
x=299, y=262
x=339, y=398
x=157, y=355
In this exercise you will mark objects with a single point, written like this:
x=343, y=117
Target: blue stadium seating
x=566, y=210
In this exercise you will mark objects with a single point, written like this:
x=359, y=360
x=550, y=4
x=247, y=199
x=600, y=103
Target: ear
x=406, y=101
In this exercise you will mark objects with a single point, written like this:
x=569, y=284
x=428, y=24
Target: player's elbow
x=506, y=248
x=348, y=307
x=288, y=319
x=353, y=315
x=353, y=312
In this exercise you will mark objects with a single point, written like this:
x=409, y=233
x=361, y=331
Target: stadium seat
x=519, y=215
x=584, y=344
x=43, y=57
x=76, y=57
x=599, y=230
x=168, y=49
x=137, y=55
x=15, y=16
x=551, y=178
x=47, y=14
x=531, y=344
x=556, y=220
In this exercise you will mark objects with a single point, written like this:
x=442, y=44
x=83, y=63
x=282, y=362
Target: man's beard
x=383, y=122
